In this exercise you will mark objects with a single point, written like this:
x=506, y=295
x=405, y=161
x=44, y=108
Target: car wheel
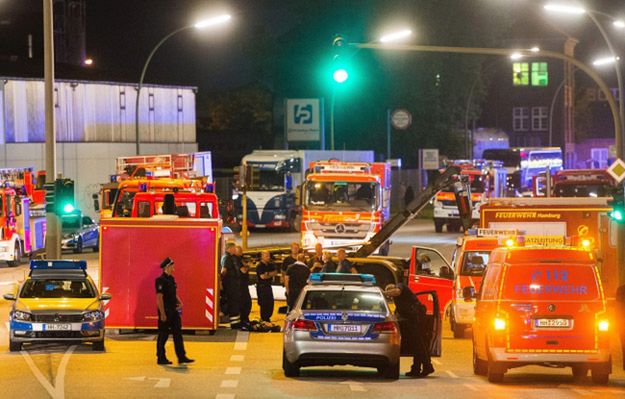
x=480, y=367
x=96, y=248
x=14, y=346
x=495, y=372
x=98, y=346
x=390, y=372
x=78, y=249
x=17, y=256
x=580, y=373
x=438, y=226
x=600, y=374
x=290, y=369
x=457, y=328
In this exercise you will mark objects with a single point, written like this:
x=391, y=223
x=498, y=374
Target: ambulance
x=469, y=261
x=541, y=306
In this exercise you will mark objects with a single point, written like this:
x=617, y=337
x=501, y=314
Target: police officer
x=265, y=272
x=344, y=265
x=244, y=289
x=231, y=279
x=295, y=280
x=412, y=314
x=169, y=309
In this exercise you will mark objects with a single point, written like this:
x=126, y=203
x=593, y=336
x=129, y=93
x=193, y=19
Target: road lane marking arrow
x=162, y=382
x=58, y=390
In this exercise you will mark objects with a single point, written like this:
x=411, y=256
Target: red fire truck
x=133, y=247
x=22, y=214
x=345, y=203
x=575, y=183
x=552, y=220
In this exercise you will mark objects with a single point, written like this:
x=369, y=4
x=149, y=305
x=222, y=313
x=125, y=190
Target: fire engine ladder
x=412, y=209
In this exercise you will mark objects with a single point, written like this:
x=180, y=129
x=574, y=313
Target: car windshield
x=70, y=222
x=474, y=263
x=57, y=288
x=583, y=190
x=340, y=195
x=344, y=300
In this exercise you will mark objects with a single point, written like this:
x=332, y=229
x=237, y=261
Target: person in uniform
x=244, y=289
x=231, y=280
x=292, y=258
x=344, y=265
x=317, y=257
x=295, y=280
x=329, y=266
x=412, y=314
x=169, y=310
x=265, y=272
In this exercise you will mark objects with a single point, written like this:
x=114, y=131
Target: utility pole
x=569, y=104
x=53, y=228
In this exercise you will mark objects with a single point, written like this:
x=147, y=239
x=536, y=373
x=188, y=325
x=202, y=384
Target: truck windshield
x=55, y=288
x=341, y=195
x=510, y=159
x=344, y=300
x=474, y=263
x=583, y=190
x=269, y=177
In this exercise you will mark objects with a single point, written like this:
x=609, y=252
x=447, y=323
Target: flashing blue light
x=58, y=265
x=342, y=278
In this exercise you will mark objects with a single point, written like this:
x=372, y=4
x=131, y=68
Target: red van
x=541, y=306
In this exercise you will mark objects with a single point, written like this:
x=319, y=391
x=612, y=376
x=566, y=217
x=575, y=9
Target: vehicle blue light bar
x=342, y=278
x=58, y=265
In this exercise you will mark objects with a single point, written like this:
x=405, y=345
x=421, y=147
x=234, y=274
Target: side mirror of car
x=9, y=297
x=105, y=297
x=468, y=293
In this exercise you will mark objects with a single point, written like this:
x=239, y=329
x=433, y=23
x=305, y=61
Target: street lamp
x=205, y=23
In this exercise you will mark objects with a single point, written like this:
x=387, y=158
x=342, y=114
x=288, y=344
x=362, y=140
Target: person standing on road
x=344, y=266
x=412, y=314
x=295, y=280
x=317, y=256
x=265, y=272
x=169, y=310
x=244, y=283
x=329, y=266
x=231, y=279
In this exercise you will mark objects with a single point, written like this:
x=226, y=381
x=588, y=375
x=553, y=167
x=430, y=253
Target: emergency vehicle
x=549, y=220
x=58, y=302
x=22, y=214
x=487, y=180
x=345, y=203
x=469, y=261
x=575, y=183
x=132, y=248
x=541, y=306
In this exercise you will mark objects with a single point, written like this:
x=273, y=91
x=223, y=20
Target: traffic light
x=618, y=205
x=340, y=70
x=50, y=194
x=64, y=198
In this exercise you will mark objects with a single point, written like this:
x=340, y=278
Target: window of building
x=599, y=157
x=540, y=118
x=520, y=73
x=520, y=119
x=540, y=74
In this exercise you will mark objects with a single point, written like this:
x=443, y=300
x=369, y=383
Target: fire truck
x=132, y=248
x=548, y=221
x=345, y=203
x=176, y=169
x=487, y=179
x=575, y=183
x=22, y=214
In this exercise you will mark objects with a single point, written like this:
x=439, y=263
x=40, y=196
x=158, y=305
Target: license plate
x=552, y=323
x=58, y=327
x=345, y=328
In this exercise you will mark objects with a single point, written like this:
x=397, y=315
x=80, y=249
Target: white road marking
x=229, y=384
x=136, y=378
x=582, y=392
x=224, y=396
x=241, y=340
x=354, y=386
x=162, y=382
x=471, y=387
x=7, y=325
x=58, y=390
x=451, y=374
x=233, y=370
x=237, y=358
x=436, y=362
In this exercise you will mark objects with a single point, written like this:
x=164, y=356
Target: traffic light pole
x=53, y=228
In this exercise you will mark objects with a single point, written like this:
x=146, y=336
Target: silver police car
x=341, y=319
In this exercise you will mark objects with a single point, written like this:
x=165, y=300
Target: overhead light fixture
x=564, y=8
x=391, y=37
x=535, y=49
x=516, y=56
x=619, y=24
x=605, y=61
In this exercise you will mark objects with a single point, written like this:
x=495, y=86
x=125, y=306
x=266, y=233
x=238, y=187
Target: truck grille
x=341, y=230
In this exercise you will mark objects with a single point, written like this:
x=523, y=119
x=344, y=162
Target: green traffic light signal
x=340, y=75
x=617, y=215
x=618, y=205
x=68, y=208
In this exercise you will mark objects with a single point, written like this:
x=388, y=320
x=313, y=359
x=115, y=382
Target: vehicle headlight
x=23, y=316
x=92, y=316
x=603, y=325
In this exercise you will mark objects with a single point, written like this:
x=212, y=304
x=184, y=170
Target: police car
x=341, y=319
x=57, y=302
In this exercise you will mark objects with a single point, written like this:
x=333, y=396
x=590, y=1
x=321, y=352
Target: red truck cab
x=188, y=205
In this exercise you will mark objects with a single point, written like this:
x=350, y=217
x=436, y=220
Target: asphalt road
x=243, y=365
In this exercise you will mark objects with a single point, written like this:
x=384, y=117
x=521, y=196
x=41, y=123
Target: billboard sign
x=303, y=119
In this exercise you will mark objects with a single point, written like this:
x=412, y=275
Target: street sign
x=428, y=158
x=617, y=170
x=401, y=119
x=303, y=121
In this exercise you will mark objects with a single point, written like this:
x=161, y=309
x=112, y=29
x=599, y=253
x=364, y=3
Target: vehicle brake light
x=385, y=327
x=304, y=325
x=603, y=325
x=499, y=324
